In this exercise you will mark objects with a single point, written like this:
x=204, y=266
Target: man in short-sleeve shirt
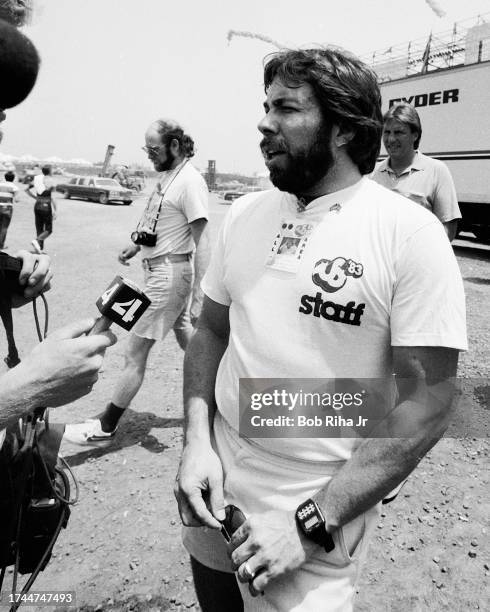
x=424, y=180
x=372, y=289
x=173, y=243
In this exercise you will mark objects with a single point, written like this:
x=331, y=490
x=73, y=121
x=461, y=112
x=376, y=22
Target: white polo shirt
x=426, y=181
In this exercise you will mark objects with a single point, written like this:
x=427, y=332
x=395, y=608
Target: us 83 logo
x=331, y=274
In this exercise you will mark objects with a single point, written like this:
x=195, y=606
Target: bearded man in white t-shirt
x=172, y=240
x=371, y=290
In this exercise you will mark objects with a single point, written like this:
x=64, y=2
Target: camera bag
x=34, y=496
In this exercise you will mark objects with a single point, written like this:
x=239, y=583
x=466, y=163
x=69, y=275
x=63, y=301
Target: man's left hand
x=196, y=304
x=266, y=546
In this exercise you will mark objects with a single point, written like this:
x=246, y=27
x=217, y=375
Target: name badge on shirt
x=289, y=245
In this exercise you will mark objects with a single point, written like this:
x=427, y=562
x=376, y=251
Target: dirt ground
x=122, y=550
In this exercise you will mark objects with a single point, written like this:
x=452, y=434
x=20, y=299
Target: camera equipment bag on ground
x=34, y=495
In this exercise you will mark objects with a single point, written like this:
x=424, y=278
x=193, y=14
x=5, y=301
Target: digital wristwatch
x=311, y=521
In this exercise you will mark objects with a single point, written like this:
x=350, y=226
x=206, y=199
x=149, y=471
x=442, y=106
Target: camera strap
x=149, y=219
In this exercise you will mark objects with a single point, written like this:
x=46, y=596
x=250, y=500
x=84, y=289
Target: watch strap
x=324, y=539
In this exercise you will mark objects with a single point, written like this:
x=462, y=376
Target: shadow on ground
x=477, y=280
x=135, y=429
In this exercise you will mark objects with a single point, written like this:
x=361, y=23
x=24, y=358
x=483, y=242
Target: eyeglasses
x=152, y=150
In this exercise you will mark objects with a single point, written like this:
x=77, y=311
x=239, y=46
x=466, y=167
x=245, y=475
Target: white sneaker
x=89, y=432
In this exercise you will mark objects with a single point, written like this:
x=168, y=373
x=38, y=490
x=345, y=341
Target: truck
x=447, y=79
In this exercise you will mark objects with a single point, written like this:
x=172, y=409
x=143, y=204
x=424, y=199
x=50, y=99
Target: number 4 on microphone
x=123, y=302
x=130, y=311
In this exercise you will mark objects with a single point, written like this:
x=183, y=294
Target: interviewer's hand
x=63, y=367
x=199, y=487
x=35, y=276
x=266, y=546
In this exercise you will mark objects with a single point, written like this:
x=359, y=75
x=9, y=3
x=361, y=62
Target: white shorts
x=169, y=287
x=258, y=481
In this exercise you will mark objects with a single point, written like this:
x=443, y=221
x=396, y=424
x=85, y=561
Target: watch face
x=312, y=523
x=310, y=517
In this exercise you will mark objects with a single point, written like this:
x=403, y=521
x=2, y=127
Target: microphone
x=122, y=303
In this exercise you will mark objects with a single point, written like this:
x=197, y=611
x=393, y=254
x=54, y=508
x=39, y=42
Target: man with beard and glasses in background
x=372, y=290
x=172, y=238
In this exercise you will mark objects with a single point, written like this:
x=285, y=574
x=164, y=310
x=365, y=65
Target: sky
x=110, y=67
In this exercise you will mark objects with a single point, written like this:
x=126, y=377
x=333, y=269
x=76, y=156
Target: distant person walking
x=8, y=195
x=422, y=179
x=45, y=206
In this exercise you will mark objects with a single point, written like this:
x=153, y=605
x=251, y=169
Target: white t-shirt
x=185, y=200
x=42, y=182
x=376, y=271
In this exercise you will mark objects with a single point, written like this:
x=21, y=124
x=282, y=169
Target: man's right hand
x=127, y=253
x=199, y=486
x=62, y=368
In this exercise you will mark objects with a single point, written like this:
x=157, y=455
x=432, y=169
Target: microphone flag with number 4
x=123, y=302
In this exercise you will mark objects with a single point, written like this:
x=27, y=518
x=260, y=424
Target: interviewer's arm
x=59, y=370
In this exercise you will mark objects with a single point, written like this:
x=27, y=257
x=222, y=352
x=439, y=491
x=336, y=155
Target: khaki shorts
x=169, y=287
x=257, y=481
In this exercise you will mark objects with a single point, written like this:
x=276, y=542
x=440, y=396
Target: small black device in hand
x=148, y=239
x=234, y=517
x=232, y=521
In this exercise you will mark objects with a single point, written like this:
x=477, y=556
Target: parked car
x=96, y=188
x=230, y=196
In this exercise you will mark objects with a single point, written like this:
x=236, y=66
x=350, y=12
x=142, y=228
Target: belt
x=168, y=258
